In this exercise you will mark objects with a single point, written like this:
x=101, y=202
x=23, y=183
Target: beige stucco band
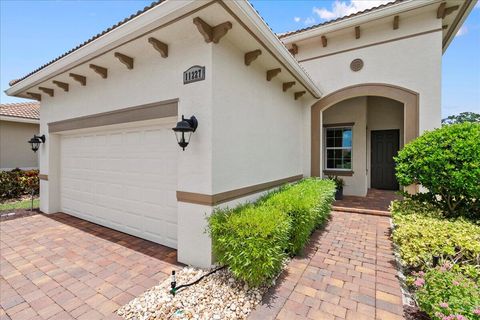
x=410, y=100
x=163, y=109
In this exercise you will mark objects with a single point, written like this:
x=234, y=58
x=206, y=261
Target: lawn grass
x=21, y=204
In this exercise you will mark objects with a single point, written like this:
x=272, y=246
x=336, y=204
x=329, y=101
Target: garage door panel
x=124, y=179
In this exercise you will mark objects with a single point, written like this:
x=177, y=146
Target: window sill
x=345, y=173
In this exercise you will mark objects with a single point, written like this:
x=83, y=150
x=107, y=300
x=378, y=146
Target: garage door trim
x=163, y=109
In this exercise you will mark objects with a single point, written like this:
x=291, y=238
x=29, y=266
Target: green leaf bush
x=445, y=294
x=16, y=183
x=446, y=161
x=422, y=234
x=307, y=204
x=253, y=240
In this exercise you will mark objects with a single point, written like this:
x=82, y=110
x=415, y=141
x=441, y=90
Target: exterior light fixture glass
x=184, y=130
x=35, y=141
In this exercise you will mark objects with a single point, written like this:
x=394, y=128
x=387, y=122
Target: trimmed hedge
x=254, y=239
x=16, y=183
x=307, y=204
x=422, y=233
x=251, y=241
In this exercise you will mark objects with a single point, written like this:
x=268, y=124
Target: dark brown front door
x=385, y=145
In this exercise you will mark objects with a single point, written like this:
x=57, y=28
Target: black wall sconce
x=35, y=141
x=184, y=129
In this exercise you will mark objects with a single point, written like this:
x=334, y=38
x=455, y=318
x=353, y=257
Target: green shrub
x=445, y=294
x=423, y=234
x=251, y=241
x=254, y=239
x=446, y=162
x=16, y=183
x=308, y=204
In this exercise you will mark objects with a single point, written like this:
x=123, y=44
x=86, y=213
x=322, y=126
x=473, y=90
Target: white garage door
x=124, y=179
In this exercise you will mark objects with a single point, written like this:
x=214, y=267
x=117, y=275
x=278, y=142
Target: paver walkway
x=61, y=267
x=348, y=272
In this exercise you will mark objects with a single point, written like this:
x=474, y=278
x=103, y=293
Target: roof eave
x=272, y=41
x=458, y=22
x=19, y=119
x=133, y=28
x=357, y=20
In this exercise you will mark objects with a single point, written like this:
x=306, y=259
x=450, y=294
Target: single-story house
x=19, y=122
x=339, y=98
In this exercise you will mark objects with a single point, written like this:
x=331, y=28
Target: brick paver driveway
x=348, y=273
x=61, y=267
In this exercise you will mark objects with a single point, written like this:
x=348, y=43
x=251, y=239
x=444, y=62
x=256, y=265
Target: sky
x=34, y=32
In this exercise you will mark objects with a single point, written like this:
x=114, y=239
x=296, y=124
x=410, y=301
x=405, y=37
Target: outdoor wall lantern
x=35, y=141
x=184, y=130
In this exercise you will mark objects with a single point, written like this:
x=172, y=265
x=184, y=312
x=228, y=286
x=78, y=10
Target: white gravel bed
x=218, y=296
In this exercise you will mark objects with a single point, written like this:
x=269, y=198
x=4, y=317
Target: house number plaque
x=194, y=74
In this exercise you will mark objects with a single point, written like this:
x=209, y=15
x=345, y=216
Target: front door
x=385, y=145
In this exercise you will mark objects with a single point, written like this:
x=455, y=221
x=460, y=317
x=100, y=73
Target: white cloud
x=309, y=21
x=297, y=19
x=462, y=31
x=477, y=6
x=344, y=8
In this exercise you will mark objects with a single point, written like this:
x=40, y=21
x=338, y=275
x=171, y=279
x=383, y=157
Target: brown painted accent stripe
x=346, y=124
x=168, y=108
x=342, y=173
x=213, y=200
x=371, y=44
x=43, y=177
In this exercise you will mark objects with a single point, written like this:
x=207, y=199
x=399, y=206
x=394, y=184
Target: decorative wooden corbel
x=35, y=96
x=126, y=60
x=299, y=94
x=46, y=90
x=287, y=85
x=209, y=33
x=159, y=46
x=294, y=49
x=61, y=85
x=396, y=22
x=103, y=72
x=252, y=56
x=444, y=11
x=357, y=32
x=79, y=78
x=273, y=73
x=324, y=41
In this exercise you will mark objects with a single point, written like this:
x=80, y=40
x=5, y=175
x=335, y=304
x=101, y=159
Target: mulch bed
x=17, y=213
x=413, y=313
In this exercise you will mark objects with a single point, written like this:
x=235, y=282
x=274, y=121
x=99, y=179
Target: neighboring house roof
x=24, y=110
x=289, y=33
x=98, y=35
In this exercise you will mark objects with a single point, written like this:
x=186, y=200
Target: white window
x=338, y=148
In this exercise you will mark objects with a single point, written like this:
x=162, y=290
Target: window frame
x=325, y=148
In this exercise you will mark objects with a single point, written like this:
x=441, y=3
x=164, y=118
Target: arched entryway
x=408, y=98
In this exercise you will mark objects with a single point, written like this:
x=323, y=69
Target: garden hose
x=173, y=284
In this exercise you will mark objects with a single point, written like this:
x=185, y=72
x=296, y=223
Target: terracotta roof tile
x=286, y=34
x=118, y=24
x=27, y=110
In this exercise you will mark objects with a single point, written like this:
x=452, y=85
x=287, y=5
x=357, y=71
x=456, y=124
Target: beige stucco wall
x=258, y=131
x=15, y=152
x=352, y=111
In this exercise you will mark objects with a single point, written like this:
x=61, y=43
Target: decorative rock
x=218, y=296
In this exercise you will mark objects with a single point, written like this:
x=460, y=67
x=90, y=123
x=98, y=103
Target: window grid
x=338, y=148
